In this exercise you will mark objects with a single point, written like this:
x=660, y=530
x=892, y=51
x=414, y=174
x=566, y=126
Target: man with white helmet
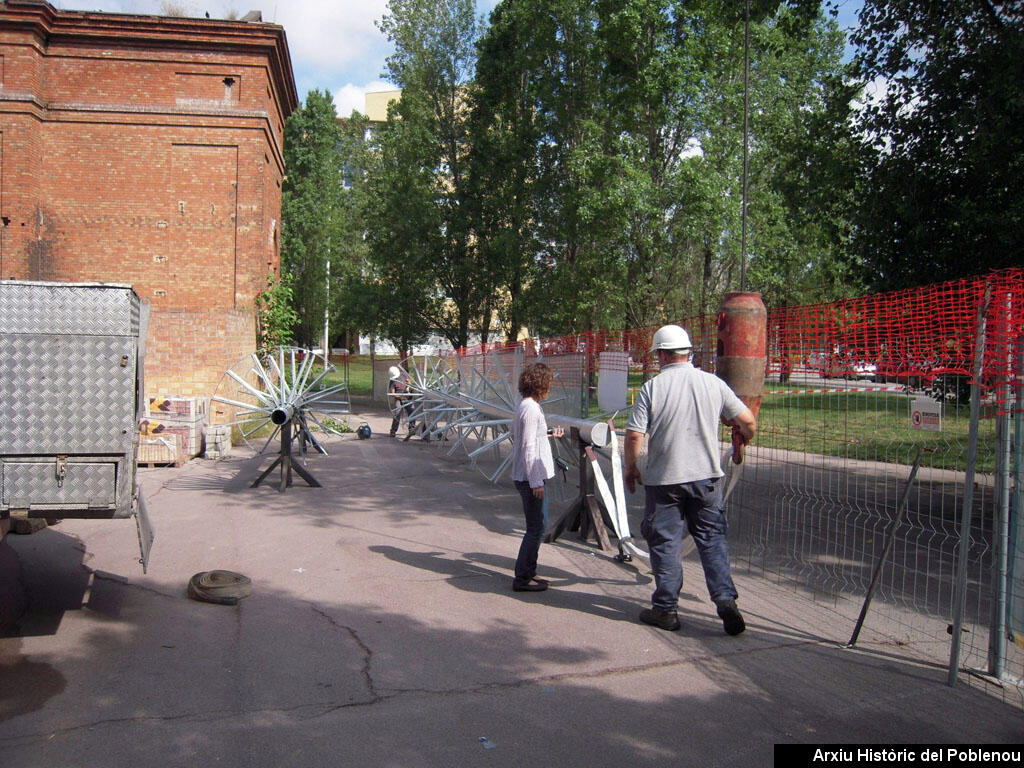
x=679, y=411
x=398, y=389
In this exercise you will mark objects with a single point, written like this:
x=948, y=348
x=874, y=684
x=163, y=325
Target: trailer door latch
x=62, y=470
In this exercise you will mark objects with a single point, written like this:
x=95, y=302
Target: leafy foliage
x=579, y=165
x=943, y=153
x=423, y=151
x=395, y=290
x=275, y=317
x=349, y=313
x=611, y=139
x=311, y=206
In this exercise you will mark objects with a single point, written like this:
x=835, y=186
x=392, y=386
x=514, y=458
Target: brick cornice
x=194, y=116
x=51, y=26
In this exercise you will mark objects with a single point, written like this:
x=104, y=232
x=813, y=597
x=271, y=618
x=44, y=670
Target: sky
x=334, y=44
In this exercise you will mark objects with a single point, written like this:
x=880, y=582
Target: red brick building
x=147, y=150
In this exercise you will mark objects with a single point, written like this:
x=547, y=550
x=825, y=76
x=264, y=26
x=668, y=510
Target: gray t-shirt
x=679, y=411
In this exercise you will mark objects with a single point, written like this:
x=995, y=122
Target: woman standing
x=532, y=464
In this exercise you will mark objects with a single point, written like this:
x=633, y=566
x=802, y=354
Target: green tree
x=943, y=152
x=275, y=315
x=395, y=292
x=502, y=163
x=349, y=310
x=547, y=168
x=803, y=164
x=426, y=140
x=580, y=286
x=621, y=124
x=656, y=80
x=310, y=209
x=795, y=224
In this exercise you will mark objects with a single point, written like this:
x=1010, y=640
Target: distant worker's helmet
x=395, y=372
x=672, y=338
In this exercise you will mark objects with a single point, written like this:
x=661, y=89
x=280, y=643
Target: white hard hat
x=670, y=337
x=395, y=372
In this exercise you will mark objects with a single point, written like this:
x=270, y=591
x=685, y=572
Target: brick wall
x=156, y=164
x=206, y=339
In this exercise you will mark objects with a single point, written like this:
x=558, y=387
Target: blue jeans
x=669, y=512
x=536, y=512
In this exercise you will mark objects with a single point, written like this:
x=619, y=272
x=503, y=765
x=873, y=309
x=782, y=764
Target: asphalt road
x=382, y=631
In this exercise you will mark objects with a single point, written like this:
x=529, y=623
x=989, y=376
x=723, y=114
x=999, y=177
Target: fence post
x=1001, y=537
x=1001, y=523
x=518, y=363
x=1015, y=609
x=585, y=401
x=968, y=503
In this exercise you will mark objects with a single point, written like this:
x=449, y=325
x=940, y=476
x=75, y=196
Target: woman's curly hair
x=535, y=381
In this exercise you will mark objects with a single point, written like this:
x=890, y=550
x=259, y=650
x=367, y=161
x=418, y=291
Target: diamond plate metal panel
x=68, y=308
x=66, y=394
x=69, y=374
x=85, y=484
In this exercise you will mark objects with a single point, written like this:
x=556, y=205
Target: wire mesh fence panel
x=867, y=369
x=856, y=481
x=821, y=521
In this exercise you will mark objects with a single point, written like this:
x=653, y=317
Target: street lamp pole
x=746, y=150
x=327, y=310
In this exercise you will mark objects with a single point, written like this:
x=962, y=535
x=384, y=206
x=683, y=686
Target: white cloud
x=328, y=36
x=874, y=93
x=333, y=44
x=350, y=96
x=330, y=42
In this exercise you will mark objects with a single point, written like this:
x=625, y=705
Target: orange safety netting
x=911, y=337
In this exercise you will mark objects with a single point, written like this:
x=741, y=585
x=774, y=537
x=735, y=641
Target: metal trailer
x=71, y=394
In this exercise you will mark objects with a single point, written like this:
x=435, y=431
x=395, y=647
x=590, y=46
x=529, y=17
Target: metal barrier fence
x=873, y=473
x=821, y=522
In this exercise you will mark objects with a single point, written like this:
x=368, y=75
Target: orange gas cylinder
x=742, y=347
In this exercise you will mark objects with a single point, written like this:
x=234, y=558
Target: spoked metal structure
x=284, y=393
x=468, y=403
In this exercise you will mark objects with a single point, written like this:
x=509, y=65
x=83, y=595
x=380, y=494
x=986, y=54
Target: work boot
x=667, y=620
x=530, y=585
x=731, y=617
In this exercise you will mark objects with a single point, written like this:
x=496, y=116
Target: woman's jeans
x=669, y=512
x=536, y=512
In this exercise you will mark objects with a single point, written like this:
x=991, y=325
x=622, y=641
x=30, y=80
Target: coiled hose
x=223, y=587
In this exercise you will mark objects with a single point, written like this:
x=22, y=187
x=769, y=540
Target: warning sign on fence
x=926, y=414
x=612, y=377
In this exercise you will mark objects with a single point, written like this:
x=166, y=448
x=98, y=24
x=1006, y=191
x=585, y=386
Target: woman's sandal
x=534, y=585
